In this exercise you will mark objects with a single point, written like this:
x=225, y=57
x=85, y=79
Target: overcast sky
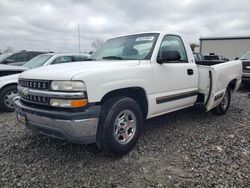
x=53, y=24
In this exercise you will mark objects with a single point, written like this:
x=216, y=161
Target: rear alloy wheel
x=6, y=98
x=223, y=107
x=119, y=126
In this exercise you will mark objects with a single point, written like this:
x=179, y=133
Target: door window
x=172, y=42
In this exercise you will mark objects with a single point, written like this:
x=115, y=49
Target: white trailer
x=230, y=47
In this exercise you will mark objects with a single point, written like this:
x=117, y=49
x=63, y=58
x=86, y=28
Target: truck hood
x=68, y=70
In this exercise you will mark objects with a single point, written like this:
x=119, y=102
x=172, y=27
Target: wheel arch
x=137, y=93
x=232, y=84
x=9, y=84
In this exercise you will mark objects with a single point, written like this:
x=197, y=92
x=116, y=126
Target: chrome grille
x=35, y=99
x=35, y=84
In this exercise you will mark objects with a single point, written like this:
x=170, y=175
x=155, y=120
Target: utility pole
x=79, y=44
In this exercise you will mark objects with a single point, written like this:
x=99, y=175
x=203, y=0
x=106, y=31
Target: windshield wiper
x=113, y=57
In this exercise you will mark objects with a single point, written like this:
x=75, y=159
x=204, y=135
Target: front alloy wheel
x=125, y=126
x=8, y=99
x=119, y=126
x=7, y=95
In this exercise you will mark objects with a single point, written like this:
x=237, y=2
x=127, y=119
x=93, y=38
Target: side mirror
x=237, y=58
x=168, y=55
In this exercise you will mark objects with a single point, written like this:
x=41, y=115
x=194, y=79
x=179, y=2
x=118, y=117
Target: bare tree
x=193, y=46
x=8, y=49
x=97, y=44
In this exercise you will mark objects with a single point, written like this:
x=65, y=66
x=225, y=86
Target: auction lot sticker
x=148, y=38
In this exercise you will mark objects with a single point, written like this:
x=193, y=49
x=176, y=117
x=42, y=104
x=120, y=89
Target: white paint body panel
x=8, y=80
x=102, y=77
x=222, y=75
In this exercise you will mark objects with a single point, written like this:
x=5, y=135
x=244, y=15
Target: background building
x=230, y=47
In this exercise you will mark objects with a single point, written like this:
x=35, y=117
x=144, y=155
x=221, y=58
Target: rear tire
x=119, y=125
x=6, y=98
x=223, y=107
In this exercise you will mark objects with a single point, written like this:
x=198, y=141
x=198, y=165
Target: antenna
x=79, y=44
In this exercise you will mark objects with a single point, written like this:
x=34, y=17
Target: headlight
x=68, y=86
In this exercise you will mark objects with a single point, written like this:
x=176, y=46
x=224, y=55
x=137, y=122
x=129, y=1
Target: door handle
x=190, y=71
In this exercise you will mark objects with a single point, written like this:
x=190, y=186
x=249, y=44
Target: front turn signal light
x=79, y=103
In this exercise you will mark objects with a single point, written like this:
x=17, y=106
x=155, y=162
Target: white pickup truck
x=129, y=79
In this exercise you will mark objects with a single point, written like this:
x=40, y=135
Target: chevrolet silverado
x=105, y=99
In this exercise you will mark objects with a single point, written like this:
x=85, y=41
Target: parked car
x=198, y=56
x=130, y=78
x=6, y=70
x=245, y=58
x=213, y=56
x=19, y=58
x=9, y=78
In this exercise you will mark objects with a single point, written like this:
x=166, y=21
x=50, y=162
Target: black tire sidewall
x=121, y=104
x=219, y=110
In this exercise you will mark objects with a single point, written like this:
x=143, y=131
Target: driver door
x=176, y=82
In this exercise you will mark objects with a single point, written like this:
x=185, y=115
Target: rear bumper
x=246, y=76
x=80, y=127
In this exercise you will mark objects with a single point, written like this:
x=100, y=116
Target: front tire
x=223, y=107
x=119, y=125
x=6, y=98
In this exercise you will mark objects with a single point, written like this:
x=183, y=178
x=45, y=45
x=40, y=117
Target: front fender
x=98, y=84
x=8, y=80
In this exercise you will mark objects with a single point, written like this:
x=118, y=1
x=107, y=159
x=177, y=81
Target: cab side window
x=62, y=59
x=172, y=42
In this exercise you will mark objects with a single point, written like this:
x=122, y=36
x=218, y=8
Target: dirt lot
x=186, y=148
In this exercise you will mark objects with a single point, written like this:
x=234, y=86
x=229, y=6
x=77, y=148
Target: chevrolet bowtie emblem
x=24, y=91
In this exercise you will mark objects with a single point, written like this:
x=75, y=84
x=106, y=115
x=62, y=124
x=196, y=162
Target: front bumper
x=80, y=127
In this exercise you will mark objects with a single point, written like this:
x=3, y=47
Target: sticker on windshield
x=148, y=38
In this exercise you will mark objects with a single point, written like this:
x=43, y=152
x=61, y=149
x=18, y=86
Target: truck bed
x=209, y=62
x=214, y=80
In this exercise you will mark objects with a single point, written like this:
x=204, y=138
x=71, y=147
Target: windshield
x=4, y=56
x=246, y=56
x=38, y=61
x=133, y=47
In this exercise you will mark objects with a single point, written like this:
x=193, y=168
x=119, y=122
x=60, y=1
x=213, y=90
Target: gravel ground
x=183, y=149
